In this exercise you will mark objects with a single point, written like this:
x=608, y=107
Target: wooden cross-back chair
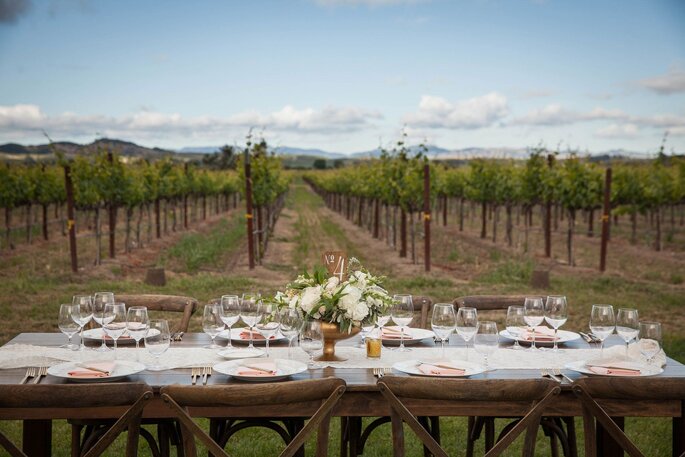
x=591, y=390
x=322, y=394
x=66, y=396
x=538, y=393
x=166, y=303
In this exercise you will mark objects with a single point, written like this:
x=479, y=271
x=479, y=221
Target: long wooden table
x=361, y=399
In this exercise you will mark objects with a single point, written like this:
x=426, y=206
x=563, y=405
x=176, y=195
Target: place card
x=336, y=263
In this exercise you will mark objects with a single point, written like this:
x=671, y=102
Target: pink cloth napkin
x=613, y=369
x=258, y=369
x=122, y=337
x=394, y=333
x=93, y=370
x=541, y=334
x=444, y=369
x=245, y=335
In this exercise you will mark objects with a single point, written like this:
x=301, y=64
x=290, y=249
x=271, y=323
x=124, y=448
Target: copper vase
x=331, y=334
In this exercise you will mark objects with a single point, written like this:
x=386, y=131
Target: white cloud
x=555, y=114
x=473, y=113
x=669, y=83
x=618, y=131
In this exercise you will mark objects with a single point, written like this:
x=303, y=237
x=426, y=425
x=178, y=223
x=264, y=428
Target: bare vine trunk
x=569, y=242
x=657, y=241
x=98, y=238
x=509, y=225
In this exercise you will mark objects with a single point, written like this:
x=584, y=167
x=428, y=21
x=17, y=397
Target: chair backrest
x=319, y=394
x=489, y=302
x=166, y=303
x=425, y=305
x=66, y=396
x=536, y=392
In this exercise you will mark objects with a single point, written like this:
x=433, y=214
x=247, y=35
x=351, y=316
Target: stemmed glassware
x=382, y=321
x=114, y=322
x=515, y=322
x=649, y=339
x=627, y=325
x=268, y=324
x=85, y=314
x=486, y=340
x=157, y=341
x=402, y=313
x=249, y=313
x=367, y=326
x=602, y=323
x=556, y=314
x=212, y=324
x=467, y=325
x=291, y=324
x=230, y=313
x=443, y=322
x=100, y=299
x=137, y=324
x=67, y=322
x=533, y=315
x=311, y=339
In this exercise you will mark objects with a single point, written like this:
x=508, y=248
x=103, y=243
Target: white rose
x=332, y=283
x=310, y=297
x=359, y=312
x=361, y=279
x=351, y=297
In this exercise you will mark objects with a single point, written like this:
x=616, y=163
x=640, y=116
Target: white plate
x=122, y=369
x=235, y=337
x=95, y=334
x=412, y=367
x=284, y=368
x=564, y=337
x=645, y=370
x=417, y=335
x=240, y=353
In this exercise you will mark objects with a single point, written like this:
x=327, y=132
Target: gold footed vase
x=331, y=334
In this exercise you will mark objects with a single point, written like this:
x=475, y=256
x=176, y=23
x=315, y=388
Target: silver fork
x=558, y=372
x=194, y=373
x=42, y=371
x=377, y=372
x=206, y=371
x=30, y=373
x=548, y=373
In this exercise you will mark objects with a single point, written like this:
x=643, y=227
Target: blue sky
x=346, y=75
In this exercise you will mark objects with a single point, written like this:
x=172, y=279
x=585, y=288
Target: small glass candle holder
x=373, y=344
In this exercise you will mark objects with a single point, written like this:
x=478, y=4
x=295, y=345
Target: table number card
x=336, y=263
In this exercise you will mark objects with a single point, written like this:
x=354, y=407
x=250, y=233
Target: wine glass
x=382, y=320
x=100, y=299
x=443, y=322
x=533, y=315
x=67, y=322
x=114, y=322
x=627, y=325
x=291, y=325
x=268, y=322
x=486, y=340
x=367, y=325
x=157, y=341
x=212, y=324
x=515, y=323
x=649, y=339
x=230, y=313
x=402, y=313
x=85, y=314
x=137, y=324
x=467, y=325
x=311, y=339
x=249, y=313
x=602, y=323
x=556, y=314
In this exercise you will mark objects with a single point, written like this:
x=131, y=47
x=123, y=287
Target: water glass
x=157, y=341
x=268, y=322
x=533, y=315
x=100, y=299
x=486, y=340
x=291, y=324
x=67, y=322
x=467, y=325
x=556, y=314
x=627, y=325
x=649, y=339
x=230, y=313
x=515, y=323
x=212, y=324
x=311, y=339
x=85, y=303
x=443, y=322
x=137, y=325
x=402, y=313
x=602, y=323
x=249, y=313
x=114, y=322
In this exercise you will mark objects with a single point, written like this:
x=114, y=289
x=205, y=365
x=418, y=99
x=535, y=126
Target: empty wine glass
x=467, y=325
x=114, y=322
x=649, y=339
x=291, y=325
x=212, y=324
x=515, y=323
x=230, y=313
x=85, y=303
x=382, y=320
x=533, y=315
x=486, y=340
x=556, y=314
x=249, y=313
x=402, y=313
x=137, y=325
x=157, y=341
x=68, y=324
x=100, y=299
x=627, y=325
x=443, y=322
x=367, y=326
x=268, y=322
x=602, y=323
x=311, y=339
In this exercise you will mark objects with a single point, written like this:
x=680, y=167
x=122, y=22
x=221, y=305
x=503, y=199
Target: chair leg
x=571, y=436
x=76, y=440
x=397, y=435
x=344, y=435
x=489, y=433
x=469, y=439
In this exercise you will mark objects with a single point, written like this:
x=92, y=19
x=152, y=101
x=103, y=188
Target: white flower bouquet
x=346, y=303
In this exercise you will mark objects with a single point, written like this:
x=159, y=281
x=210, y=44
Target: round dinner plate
x=235, y=337
x=240, y=353
x=412, y=367
x=564, y=337
x=284, y=368
x=122, y=369
x=417, y=335
x=95, y=335
x=580, y=366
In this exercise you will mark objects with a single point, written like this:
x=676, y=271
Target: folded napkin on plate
x=122, y=337
x=258, y=369
x=541, y=334
x=441, y=369
x=614, y=368
x=245, y=335
x=394, y=333
x=93, y=370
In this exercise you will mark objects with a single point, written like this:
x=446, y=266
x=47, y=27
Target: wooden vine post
x=606, y=214
x=548, y=215
x=71, y=225
x=112, y=217
x=248, y=213
x=427, y=217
